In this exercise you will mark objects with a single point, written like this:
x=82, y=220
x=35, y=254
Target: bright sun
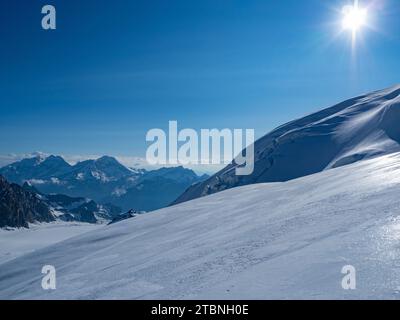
x=354, y=17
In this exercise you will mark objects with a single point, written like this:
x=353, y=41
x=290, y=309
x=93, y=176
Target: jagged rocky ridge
x=19, y=207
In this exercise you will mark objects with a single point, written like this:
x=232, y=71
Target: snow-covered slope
x=359, y=128
x=275, y=240
x=17, y=242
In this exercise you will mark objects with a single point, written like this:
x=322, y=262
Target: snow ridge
x=356, y=129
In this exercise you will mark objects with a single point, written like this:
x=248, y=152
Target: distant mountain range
x=75, y=208
x=104, y=180
x=360, y=128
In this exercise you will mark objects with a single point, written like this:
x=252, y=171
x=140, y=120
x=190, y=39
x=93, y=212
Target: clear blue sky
x=114, y=69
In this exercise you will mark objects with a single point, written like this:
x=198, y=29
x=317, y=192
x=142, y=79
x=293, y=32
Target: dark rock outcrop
x=124, y=216
x=19, y=207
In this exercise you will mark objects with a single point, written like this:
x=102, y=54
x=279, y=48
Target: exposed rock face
x=130, y=214
x=75, y=208
x=19, y=207
x=85, y=212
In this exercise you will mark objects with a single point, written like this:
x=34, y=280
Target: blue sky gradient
x=115, y=69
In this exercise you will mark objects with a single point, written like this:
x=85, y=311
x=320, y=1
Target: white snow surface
x=263, y=241
x=357, y=129
x=17, y=242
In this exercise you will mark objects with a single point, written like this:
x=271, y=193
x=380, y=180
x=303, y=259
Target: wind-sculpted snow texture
x=357, y=129
x=262, y=241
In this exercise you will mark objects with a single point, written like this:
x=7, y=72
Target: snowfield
x=264, y=241
x=17, y=242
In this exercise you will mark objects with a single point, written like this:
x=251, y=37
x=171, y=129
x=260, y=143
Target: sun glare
x=354, y=17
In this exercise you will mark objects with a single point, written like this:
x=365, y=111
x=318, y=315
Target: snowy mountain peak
x=107, y=160
x=104, y=180
x=55, y=161
x=359, y=128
